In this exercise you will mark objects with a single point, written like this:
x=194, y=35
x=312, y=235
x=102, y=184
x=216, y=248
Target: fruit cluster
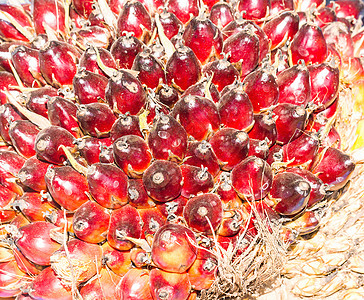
x=140, y=136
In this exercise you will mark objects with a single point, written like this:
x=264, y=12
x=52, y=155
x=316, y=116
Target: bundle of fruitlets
x=181, y=149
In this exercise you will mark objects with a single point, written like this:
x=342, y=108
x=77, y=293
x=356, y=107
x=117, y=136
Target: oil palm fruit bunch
x=169, y=149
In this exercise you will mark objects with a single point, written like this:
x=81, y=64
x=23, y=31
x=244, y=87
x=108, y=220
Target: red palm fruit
x=318, y=191
x=116, y=6
x=125, y=125
x=108, y=185
x=203, y=271
x=227, y=194
x=88, y=60
x=226, y=242
x=290, y=122
x=47, y=285
x=152, y=6
x=12, y=279
x=35, y=242
x=58, y=63
x=32, y=174
x=241, y=24
x=352, y=70
x=48, y=142
x=140, y=257
x=294, y=85
x=324, y=80
x=7, y=216
x=135, y=285
x=132, y=155
x=26, y=63
x=40, y=41
x=258, y=210
x=198, y=115
x=254, y=10
x=305, y=5
x=183, y=9
x=10, y=165
x=49, y=12
x=106, y=155
x=231, y=223
x=325, y=15
x=24, y=264
x=203, y=37
x=137, y=194
x=91, y=230
x=8, y=114
x=124, y=222
x=333, y=167
x=167, y=139
x=275, y=154
x=89, y=87
x=258, y=148
x=262, y=88
x=167, y=95
x=36, y=100
x=335, y=32
x=163, y=180
x=278, y=6
x=67, y=187
x=5, y=55
x=7, y=81
x=172, y=209
x=125, y=49
x=347, y=8
x=124, y=93
x=307, y=223
x=252, y=178
x=174, y=248
x=200, y=89
x=281, y=28
x=19, y=221
x=90, y=148
x=308, y=44
x=151, y=71
x=264, y=129
x=134, y=18
x=165, y=285
x=97, y=35
x=95, y=119
x=231, y=146
x=290, y=193
x=244, y=50
x=7, y=30
x=105, y=287
x=221, y=14
x=201, y=154
x=152, y=220
x=234, y=104
x=33, y=206
x=170, y=23
x=78, y=263
x=301, y=150
x=119, y=262
x=195, y=180
x=23, y=134
x=183, y=67
x=224, y=73
x=83, y=7
x=7, y=210
x=203, y=213
x=62, y=112
x=153, y=108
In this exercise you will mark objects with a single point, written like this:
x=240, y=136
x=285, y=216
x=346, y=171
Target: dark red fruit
x=67, y=187
x=152, y=220
x=88, y=60
x=137, y=195
x=195, y=180
x=200, y=89
x=290, y=192
x=167, y=95
x=125, y=125
x=264, y=129
x=125, y=49
x=108, y=185
x=8, y=114
x=48, y=12
x=23, y=134
x=90, y=148
x=132, y=154
x=7, y=30
x=32, y=174
x=253, y=10
x=221, y=14
x=183, y=9
x=252, y=178
x=36, y=100
x=163, y=180
x=10, y=165
x=258, y=148
x=170, y=23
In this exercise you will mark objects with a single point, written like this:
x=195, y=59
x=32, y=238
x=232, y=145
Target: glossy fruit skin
x=23, y=134
x=67, y=187
x=88, y=60
x=125, y=125
x=252, y=178
x=58, y=63
x=264, y=129
x=37, y=100
x=135, y=285
x=125, y=49
x=203, y=207
x=124, y=222
x=291, y=192
x=174, y=248
x=10, y=164
x=195, y=110
x=108, y=185
x=8, y=114
x=183, y=9
x=51, y=13
x=48, y=141
x=253, y=10
x=137, y=195
x=163, y=180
